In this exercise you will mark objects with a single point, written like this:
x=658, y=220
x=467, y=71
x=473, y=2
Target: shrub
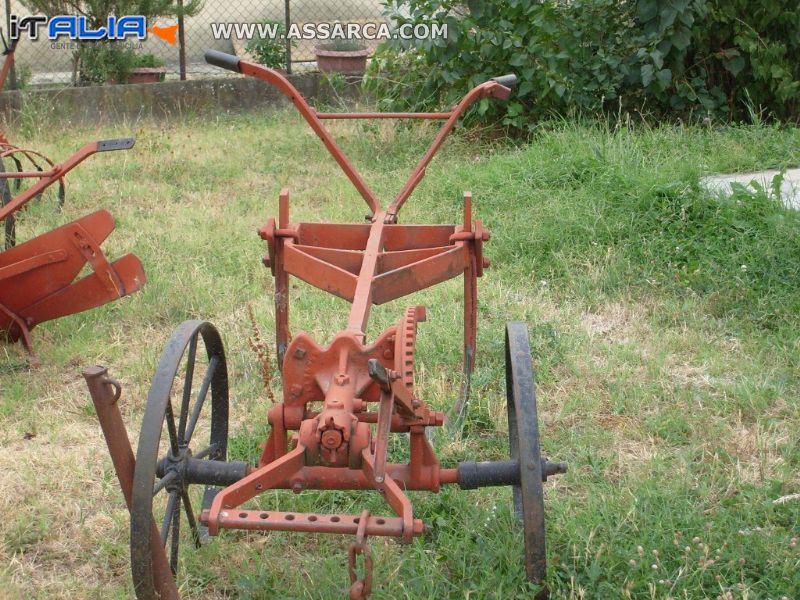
x=105, y=62
x=98, y=62
x=270, y=52
x=675, y=58
x=148, y=60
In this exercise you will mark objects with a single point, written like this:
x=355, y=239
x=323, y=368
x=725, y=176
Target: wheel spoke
x=201, y=398
x=187, y=388
x=164, y=482
x=173, y=435
x=175, y=541
x=187, y=505
x=172, y=504
x=206, y=451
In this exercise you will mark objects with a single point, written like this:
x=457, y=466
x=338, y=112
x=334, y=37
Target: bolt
x=331, y=439
x=342, y=379
x=388, y=353
x=378, y=478
x=299, y=353
x=297, y=486
x=296, y=390
x=223, y=514
x=531, y=465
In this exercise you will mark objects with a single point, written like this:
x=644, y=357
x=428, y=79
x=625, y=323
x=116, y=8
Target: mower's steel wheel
x=523, y=429
x=159, y=492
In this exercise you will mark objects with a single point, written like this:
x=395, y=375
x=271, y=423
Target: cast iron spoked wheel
x=172, y=433
x=523, y=433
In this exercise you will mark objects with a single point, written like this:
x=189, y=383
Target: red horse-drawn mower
x=341, y=401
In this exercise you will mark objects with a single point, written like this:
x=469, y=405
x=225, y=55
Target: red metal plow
x=37, y=276
x=341, y=401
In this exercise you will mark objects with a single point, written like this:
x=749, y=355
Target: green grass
x=664, y=323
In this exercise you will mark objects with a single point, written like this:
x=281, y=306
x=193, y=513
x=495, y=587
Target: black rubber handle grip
x=508, y=81
x=223, y=60
x=120, y=144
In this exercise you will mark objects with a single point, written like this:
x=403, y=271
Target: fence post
x=287, y=24
x=12, y=74
x=181, y=43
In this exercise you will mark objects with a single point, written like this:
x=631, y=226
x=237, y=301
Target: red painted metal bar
x=490, y=88
x=48, y=178
x=261, y=479
x=105, y=393
x=7, y=149
x=260, y=520
x=385, y=115
x=362, y=300
x=281, y=281
x=287, y=89
x=28, y=174
x=392, y=493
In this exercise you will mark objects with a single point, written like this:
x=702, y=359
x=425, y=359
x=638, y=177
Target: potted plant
x=343, y=56
x=148, y=68
x=269, y=51
x=113, y=63
x=104, y=62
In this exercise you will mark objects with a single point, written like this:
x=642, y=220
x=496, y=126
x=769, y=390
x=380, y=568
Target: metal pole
x=13, y=72
x=105, y=393
x=287, y=23
x=181, y=42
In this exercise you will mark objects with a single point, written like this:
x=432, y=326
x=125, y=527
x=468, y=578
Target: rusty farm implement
x=37, y=276
x=341, y=401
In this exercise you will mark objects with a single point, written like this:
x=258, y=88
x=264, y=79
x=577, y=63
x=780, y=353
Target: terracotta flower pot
x=341, y=61
x=147, y=75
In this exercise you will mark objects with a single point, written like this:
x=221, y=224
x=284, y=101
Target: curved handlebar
x=508, y=81
x=223, y=60
x=496, y=88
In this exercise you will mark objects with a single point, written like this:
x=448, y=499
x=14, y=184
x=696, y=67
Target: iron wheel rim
x=184, y=342
x=523, y=428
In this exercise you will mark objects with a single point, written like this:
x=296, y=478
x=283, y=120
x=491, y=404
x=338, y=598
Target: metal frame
x=342, y=401
x=365, y=264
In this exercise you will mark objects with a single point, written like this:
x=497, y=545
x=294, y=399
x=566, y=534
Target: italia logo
x=77, y=28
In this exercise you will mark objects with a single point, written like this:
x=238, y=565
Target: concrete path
x=790, y=187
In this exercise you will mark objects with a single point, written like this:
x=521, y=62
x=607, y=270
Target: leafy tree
x=687, y=58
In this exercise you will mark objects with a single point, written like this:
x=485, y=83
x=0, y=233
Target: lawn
x=664, y=324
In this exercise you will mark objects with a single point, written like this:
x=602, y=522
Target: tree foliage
x=674, y=58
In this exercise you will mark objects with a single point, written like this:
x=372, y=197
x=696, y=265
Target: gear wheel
x=405, y=344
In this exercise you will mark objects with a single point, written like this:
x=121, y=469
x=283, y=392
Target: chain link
x=360, y=588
